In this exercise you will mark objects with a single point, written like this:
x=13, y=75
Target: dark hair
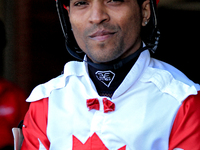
x=140, y=2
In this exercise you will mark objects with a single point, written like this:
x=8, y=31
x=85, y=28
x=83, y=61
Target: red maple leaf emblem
x=92, y=143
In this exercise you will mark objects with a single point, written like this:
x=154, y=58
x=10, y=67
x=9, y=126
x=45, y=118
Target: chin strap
x=118, y=64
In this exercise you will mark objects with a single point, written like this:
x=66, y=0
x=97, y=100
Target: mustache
x=94, y=28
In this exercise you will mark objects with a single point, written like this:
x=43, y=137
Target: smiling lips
x=101, y=35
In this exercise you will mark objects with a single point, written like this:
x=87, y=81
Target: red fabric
x=93, y=143
x=123, y=148
x=108, y=105
x=35, y=126
x=93, y=104
x=12, y=110
x=185, y=133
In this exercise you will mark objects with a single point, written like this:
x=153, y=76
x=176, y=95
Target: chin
x=105, y=55
x=105, y=59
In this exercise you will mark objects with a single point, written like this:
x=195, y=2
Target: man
x=12, y=102
x=118, y=98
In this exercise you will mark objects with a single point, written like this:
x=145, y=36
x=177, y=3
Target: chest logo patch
x=106, y=77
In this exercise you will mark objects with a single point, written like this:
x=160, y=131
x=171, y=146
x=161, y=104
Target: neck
x=108, y=77
x=116, y=64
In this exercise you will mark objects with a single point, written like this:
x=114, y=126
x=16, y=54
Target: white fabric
x=146, y=105
x=41, y=146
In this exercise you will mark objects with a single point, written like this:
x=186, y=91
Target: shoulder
x=39, y=107
x=185, y=132
x=43, y=90
x=177, y=74
x=72, y=68
x=169, y=80
x=192, y=105
x=190, y=108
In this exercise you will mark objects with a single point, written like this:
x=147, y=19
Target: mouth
x=101, y=35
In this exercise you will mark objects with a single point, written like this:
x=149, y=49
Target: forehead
x=67, y=2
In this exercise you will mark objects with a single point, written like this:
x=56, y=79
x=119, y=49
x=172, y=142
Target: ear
x=146, y=12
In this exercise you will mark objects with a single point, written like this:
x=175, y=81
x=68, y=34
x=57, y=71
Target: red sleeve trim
x=35, y=126
x=185, y=133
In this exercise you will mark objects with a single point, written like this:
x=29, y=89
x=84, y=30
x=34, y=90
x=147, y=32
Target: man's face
x=106, y=29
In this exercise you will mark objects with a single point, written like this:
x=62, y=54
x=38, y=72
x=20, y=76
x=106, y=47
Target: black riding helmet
x=150, y=33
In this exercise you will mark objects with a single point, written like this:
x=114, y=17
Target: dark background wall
x=36, y=53
x=180, y=39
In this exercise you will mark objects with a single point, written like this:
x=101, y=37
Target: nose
x=98, y=13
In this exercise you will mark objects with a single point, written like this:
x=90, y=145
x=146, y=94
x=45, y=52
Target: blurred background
x=35, y=50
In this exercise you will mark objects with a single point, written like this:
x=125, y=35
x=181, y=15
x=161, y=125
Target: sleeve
x=185, y=133
x=35, y=126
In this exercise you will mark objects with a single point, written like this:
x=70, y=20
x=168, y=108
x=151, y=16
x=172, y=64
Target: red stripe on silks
x=92, y=143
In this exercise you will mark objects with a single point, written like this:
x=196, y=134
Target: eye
x=80, y=3
x=115, y=1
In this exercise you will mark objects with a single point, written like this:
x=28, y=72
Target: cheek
x=78, y=29
x=129, y=19
x=131, y=26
